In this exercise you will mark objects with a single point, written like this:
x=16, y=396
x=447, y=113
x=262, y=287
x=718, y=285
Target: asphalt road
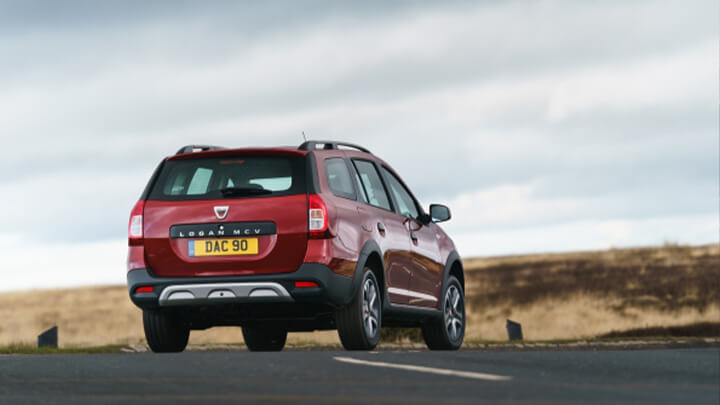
x=686, y=376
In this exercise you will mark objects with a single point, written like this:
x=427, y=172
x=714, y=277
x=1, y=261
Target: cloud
x=33, y=265
x=522, y=206
x=588, y=235
x=527, y=117
x=677, y=78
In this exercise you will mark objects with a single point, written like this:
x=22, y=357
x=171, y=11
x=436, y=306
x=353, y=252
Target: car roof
x=332, y=147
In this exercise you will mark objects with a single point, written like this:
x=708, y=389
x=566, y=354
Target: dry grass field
x=585, y=294
x=553, y=296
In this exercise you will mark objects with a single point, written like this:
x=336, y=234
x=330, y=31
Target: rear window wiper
x=243, y=191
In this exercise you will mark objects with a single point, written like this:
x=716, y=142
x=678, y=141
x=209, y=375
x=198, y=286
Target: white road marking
x=423, y=369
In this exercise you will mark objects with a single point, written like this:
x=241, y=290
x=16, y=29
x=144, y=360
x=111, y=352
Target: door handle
x=381, y=227
x=414, y=237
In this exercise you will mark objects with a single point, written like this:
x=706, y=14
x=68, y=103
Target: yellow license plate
x=222, y=247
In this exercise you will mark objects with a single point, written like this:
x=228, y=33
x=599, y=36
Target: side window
x=338, y=177
x=405, y=202
x=370, y=178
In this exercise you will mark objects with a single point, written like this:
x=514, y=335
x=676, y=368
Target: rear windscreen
x=230, y=177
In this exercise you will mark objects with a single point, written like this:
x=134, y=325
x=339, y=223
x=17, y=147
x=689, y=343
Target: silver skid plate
x=203, y=294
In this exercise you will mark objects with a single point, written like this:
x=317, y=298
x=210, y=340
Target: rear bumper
x=332, y=288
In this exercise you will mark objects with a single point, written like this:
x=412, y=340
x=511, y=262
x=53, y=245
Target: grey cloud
x=542, y=37
x=241, y=16
x=114, y=87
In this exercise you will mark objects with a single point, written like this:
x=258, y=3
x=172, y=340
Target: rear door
x=227, y=213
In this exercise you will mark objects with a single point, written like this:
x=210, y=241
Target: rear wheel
x=264, y=339
x=359, y=322
x=448, y=331
x=165, y=332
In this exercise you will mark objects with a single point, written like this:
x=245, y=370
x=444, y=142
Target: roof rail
x=310, y=145
x=197, y=148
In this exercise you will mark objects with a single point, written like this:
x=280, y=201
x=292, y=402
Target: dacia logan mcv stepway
x=276, y=240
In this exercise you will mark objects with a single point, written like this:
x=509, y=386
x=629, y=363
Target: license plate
x=222, y=247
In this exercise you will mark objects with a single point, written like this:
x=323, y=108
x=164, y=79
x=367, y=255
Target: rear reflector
x=147, y=289
x=306, y=284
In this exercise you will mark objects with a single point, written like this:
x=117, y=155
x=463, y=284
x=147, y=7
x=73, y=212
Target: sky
x=545, y=125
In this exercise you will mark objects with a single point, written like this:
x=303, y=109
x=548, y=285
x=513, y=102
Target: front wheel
x=359, y=322
x=263, y=339
x=448, y=331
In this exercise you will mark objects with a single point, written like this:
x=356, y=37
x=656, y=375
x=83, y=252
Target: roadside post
x=49, y=338
x=514, y=330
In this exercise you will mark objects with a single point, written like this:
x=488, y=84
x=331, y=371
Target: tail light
x=317, y=218
x=135, y=226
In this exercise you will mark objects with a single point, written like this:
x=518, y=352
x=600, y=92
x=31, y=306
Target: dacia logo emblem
x=221, y=211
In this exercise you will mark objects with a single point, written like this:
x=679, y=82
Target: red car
x=278, y=240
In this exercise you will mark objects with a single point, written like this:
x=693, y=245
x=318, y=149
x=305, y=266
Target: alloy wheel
x=371, y=308
x=454, y=313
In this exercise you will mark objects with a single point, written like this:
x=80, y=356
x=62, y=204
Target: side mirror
x=439, y=213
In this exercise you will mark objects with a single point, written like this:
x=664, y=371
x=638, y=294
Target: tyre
x=447, y=332
x=359, y=322
x=264, y=339
x=165, y=332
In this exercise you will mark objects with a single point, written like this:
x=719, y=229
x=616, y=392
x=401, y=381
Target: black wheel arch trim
x=453, y=257
x=368, y=248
